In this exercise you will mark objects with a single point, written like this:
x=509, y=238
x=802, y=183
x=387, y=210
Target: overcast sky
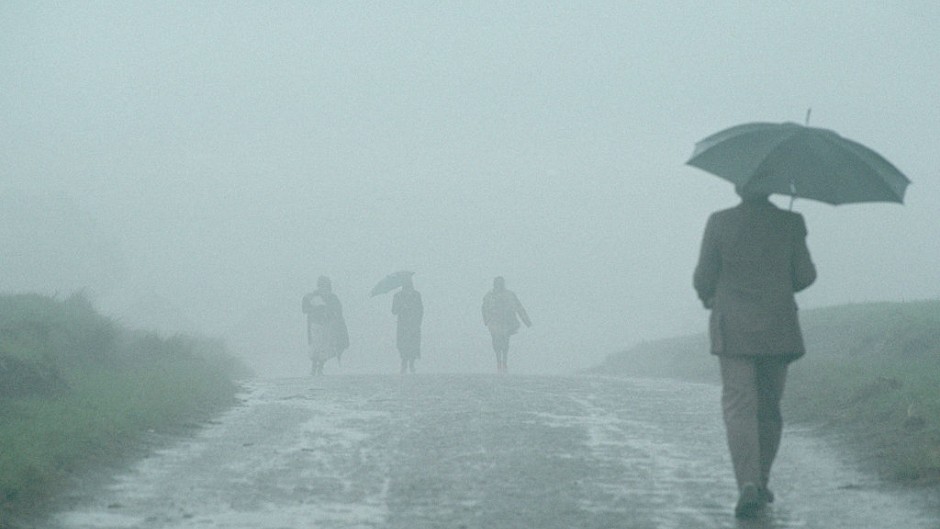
x=197, y=165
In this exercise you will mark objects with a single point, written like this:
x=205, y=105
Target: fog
x=195, y=166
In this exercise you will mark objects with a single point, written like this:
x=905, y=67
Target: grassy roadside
x=76, y=389
x=871, y=374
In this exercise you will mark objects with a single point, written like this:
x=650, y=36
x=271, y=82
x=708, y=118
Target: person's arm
x=334, y=310
x=306, y=308
x=803, y=270
x=305, y=304
x=342, y=333
x=705, y=278
x=520, y=310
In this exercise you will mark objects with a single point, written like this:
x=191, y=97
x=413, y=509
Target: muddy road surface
x=478, y=451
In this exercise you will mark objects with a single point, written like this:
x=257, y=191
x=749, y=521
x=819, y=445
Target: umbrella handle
x=793, y=192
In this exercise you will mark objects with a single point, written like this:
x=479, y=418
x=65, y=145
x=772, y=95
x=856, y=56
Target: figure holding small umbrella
x=408, y=307
x=754, y=258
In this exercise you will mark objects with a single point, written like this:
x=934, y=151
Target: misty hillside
x=870, y=372
x=881, y=334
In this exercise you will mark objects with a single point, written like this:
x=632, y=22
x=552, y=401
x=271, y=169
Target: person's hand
x=708, y=303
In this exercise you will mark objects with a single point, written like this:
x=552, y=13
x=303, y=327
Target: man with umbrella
x=754, y=258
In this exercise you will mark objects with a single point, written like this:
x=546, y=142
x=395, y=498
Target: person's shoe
x=749, y=502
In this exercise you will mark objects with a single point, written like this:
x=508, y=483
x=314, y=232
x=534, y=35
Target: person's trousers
x=750, y=399
x=501, y=346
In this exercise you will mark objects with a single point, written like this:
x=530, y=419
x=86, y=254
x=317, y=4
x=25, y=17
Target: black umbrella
x=391, y=282
x=799, y=161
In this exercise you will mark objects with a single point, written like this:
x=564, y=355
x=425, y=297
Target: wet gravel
x=479, y=451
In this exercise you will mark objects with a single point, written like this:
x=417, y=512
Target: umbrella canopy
x=391, y=282
x=800, y=161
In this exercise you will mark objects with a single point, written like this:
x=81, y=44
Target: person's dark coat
x=502, y=312
x=753, y=259
x=407, y=305
x=326, y=326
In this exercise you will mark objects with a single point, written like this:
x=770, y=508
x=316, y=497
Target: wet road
x=477, y=451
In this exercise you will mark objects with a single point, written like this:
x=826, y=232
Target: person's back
x=499, y=310
x=752, y=264
x=407, y=305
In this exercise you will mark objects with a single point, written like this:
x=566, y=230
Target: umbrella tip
x=808, y=112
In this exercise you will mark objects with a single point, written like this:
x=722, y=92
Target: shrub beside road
x=77, y=389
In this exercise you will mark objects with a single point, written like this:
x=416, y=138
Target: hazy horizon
x=196, y=166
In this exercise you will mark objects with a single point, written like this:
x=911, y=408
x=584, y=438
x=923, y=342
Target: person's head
x=499, y=283
x=324, y=284
x=750, y=195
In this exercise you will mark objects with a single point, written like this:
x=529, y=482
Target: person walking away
x=753, y=259
x=501, y=314
x=327, y=335
x=407, y=306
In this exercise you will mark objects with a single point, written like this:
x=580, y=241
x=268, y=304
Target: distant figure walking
x=501, y=314
x=753, y=259
x=407, y=305
x=327, y=336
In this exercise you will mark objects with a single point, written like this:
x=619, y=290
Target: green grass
x=871, y=372
x=95, y=391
